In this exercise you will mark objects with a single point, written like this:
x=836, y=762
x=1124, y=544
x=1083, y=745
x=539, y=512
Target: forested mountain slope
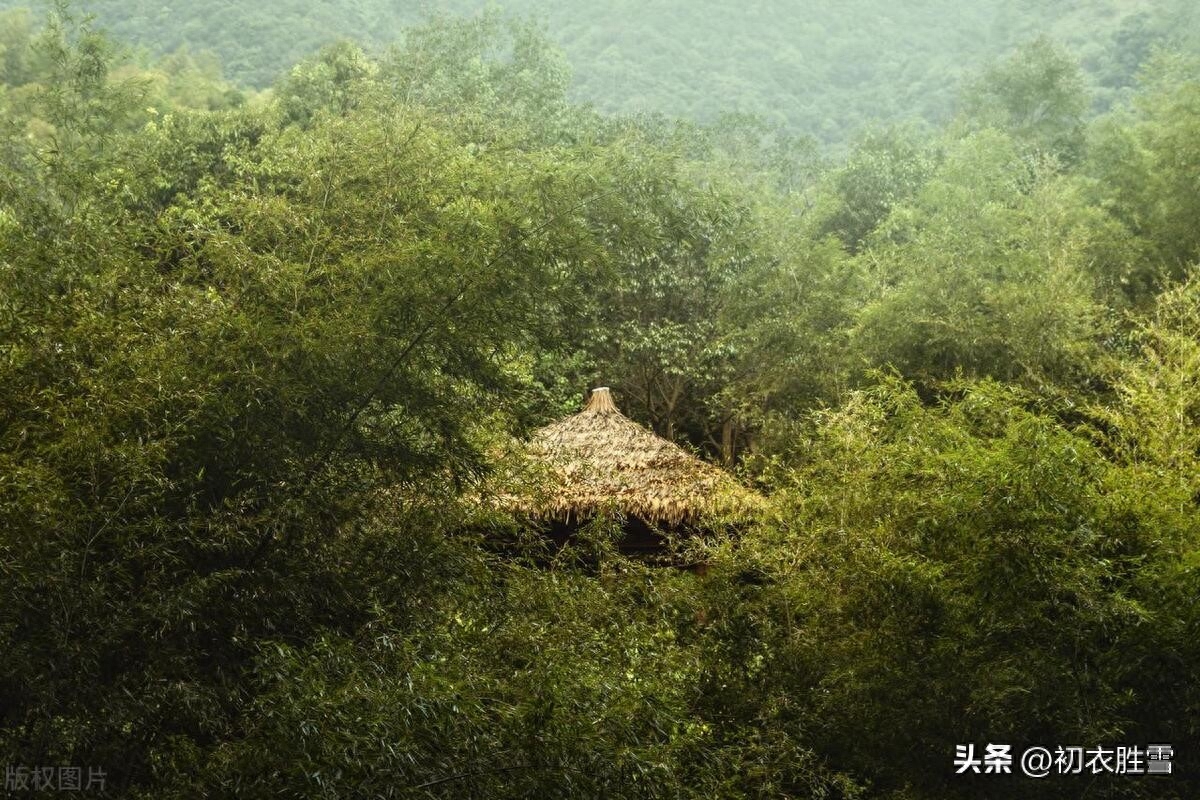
x=824, y=68
x=260, y=355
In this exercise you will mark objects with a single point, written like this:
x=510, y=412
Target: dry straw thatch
x=600, y=461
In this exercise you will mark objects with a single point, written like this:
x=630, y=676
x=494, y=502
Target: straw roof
x=600, y=460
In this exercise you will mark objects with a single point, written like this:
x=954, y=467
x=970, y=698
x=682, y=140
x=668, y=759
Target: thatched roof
x=600, y=460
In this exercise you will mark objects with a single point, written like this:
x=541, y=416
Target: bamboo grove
x=258, y=350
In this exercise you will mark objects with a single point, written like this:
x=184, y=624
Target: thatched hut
x=601, y=462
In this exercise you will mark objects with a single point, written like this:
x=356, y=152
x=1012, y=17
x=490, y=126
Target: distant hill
x=824, y=67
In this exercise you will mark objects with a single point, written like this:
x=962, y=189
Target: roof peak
x=601, y=401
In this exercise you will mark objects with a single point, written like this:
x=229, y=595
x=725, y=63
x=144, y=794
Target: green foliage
x=1141, y=165
x=1037, y=96
x=984, y=273
x=1155, y=418
x=789, y=328
x=17, y=31
x=259, y=354
x=284, y=321
x=330, y=82
x=485, y=63
x=546, y=684
x=826, y=70
x=656, y=327
x=995, y=584
x=884, y=169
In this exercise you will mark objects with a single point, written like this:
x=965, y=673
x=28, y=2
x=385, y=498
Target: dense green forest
x=260, y=350
x=824, y=69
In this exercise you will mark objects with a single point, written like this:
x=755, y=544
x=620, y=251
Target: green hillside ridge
x=822, y=68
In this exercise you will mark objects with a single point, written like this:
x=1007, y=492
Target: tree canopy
x=263, y=352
